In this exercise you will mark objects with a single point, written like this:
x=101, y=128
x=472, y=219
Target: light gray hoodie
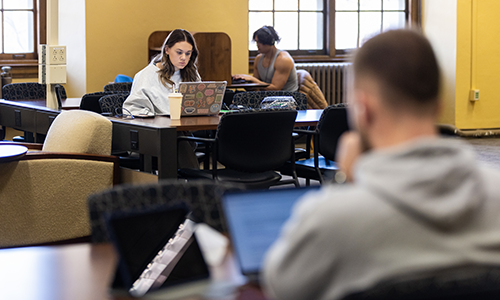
x=414, y=208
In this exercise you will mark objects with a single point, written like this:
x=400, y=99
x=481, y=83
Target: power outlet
x=474, y=95
x=52, y=55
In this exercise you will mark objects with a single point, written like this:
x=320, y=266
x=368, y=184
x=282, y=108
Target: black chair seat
x=250, y=145
x=460, y=283
x=332, y=124
x=323, y=163
x=251, y=180
x=305, y=169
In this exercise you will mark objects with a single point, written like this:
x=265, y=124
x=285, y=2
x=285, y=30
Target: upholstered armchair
x=43, y=194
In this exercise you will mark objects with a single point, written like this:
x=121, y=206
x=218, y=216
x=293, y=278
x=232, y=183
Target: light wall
x=72, y=34
x=442, y=14
x=465, y=35
x=117, y=32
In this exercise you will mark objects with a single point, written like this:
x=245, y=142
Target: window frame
x=303, y=52
x=25, y=65
x=334, y=55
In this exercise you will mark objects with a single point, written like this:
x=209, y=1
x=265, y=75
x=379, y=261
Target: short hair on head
x=404, y=64
x=266, y=35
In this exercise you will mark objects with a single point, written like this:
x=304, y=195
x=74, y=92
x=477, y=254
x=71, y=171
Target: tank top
x=266, y=74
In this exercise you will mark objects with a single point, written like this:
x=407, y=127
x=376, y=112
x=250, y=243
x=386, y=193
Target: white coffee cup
x=174, y=102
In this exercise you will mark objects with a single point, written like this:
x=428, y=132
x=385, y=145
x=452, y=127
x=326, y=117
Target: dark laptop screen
x=255, y=219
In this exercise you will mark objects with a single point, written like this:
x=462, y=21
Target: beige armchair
x=43, y=195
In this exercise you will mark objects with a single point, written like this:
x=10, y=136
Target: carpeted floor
x=487, y=149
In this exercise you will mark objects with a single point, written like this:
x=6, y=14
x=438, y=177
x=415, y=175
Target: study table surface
x=84, y=271
x=247, y=85
x=150, y=137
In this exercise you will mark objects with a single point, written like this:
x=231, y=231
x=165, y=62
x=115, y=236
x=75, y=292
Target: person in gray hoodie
x=415, y=204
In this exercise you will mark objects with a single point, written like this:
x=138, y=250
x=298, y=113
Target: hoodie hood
x=435, y=180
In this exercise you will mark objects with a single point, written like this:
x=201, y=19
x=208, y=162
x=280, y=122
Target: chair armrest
x=304, y=131
x=30, y=146
x=83, y=156
x=195, y=139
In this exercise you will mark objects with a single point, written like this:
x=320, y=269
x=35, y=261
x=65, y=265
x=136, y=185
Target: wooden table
x=150, y=137
x=247, y=85
x=83, y=271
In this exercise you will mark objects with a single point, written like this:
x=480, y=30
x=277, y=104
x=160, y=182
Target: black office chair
x=29, y=91
x=91, y=101
x=253, y=99
x=251, y=145
x=118, y=87
x=202, y=197
x=460, y=283
x=112, y=104
x=332, y=124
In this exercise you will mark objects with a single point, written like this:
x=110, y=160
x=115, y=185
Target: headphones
x=270, y=33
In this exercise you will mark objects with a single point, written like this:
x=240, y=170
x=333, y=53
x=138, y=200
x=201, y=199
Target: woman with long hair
x=176, y=63
x=151, y=86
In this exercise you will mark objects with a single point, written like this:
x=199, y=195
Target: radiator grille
x=331, y=79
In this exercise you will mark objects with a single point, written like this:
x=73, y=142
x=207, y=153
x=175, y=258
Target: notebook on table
x=202, y=98
x=254, y=220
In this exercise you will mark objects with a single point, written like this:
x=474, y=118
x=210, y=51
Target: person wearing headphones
x=271, y=65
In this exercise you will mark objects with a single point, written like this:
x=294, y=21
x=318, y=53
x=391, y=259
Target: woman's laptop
x=254, y=220
x=202, y=98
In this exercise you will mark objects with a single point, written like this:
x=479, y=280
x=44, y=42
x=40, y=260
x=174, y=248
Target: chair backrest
x=118, y=87
x=91, y=101
x=253, y=99
x=460, y=283
x=255, y=141
x=79, y=131
x=112, y=103
x=28, y=91
x=307, y=85
x=202, y=197
x=331, y=125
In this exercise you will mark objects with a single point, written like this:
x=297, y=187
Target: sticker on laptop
x=189, y=110
x=215, y=108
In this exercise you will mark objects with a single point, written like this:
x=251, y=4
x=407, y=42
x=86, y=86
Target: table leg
x=167, y=158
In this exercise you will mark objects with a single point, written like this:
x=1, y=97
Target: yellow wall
x=479, y=66
x=117, y=32
x=466, y=35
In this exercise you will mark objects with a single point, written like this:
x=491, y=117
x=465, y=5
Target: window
x=300, y=23
x=18, y=29
x=358, y=20
x=328, y=28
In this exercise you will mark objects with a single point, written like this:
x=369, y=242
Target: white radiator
x=331, y=79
